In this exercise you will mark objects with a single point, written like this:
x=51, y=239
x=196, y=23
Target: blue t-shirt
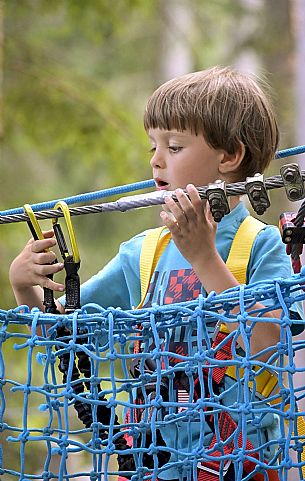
x=118, y=285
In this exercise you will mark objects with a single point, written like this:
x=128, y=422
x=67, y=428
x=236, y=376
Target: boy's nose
x=157, y=160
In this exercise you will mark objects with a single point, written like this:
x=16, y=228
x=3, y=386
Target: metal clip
x=291, y=234
x=71, y=261
x=257, y=193
x=48, y=301
x=293, y=182
x=216, y=194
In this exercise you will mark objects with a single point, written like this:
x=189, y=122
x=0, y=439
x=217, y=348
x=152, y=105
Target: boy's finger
x=188, y=213
x=194, y=197
x=173, y=207
x=209, y=216
x=48, y=233
x=41, y=245
x=47, y=257
x=54, y=286
x=170, y=222
x=46, y=269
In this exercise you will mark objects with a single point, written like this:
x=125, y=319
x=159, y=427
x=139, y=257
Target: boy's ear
x=230, y=163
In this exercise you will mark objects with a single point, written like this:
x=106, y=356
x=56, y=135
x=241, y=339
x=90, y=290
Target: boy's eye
x=152, y=150
x=174, y=148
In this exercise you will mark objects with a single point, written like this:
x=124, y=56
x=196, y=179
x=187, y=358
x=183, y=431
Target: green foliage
x=74, y=94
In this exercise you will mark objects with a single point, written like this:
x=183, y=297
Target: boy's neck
x=233, y=201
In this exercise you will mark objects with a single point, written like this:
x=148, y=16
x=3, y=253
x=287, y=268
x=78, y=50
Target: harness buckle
x=215, y=472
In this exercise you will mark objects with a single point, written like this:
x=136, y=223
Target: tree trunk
x=176, y=56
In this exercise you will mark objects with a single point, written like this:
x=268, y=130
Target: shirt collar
x=236, y=215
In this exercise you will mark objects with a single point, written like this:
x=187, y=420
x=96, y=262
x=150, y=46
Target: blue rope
x=99, y=194
x=288, y=152
x=75, y=199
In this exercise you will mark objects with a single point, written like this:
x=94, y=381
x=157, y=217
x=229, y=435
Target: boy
x=214, y=124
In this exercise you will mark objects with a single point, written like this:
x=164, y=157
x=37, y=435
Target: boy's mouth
x=161, y=185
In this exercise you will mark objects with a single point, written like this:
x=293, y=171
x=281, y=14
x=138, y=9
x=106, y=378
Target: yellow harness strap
x=152, y=249
x=154, y=244
x=241, y=247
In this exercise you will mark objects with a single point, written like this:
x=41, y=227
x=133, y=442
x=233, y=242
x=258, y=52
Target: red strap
x=272, y=476
x=222, y=354
x=227, y=427
x=296, y=264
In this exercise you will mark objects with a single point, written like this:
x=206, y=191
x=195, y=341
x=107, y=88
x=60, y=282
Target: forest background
x=74, y=79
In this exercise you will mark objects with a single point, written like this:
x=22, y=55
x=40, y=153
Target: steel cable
x=139, y=201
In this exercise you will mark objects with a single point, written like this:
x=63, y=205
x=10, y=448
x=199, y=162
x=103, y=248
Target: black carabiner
x=48, y=296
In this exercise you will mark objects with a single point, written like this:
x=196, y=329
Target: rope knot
x=93, y=475
x=24, y=436
x=32, y=341
x=3, y=336
x=286, y=322
x=64, y=442
x=3, y=427
x=46, y=475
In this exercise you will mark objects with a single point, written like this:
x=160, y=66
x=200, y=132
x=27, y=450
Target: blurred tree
x=74, y=96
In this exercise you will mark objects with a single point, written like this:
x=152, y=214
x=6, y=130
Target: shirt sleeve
x=108, y=287
x=270, y=261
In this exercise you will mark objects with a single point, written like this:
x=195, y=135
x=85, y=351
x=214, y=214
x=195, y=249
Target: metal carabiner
x=33, y=222
x=48, y=301
x=61, y=205
x=71, y=261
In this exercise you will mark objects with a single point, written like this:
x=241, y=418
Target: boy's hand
x=191, y=225
x=32, y=266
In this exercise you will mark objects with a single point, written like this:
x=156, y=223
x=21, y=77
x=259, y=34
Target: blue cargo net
x=127, y=418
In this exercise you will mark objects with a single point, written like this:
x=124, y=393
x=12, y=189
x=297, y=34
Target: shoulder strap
x=241, y=247
x=154, y=245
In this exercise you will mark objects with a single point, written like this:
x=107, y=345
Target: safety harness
x=154, y=244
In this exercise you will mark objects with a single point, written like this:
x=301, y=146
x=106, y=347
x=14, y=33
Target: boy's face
x=182, y=158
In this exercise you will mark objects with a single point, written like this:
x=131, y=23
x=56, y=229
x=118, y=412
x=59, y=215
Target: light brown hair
x=225, y=106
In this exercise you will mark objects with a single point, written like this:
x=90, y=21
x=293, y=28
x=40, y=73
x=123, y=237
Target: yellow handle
x=29, y=211
x=61, y=205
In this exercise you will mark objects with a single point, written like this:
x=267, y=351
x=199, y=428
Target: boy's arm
x=29, y=271
x=217, y=277
x=194, y=233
